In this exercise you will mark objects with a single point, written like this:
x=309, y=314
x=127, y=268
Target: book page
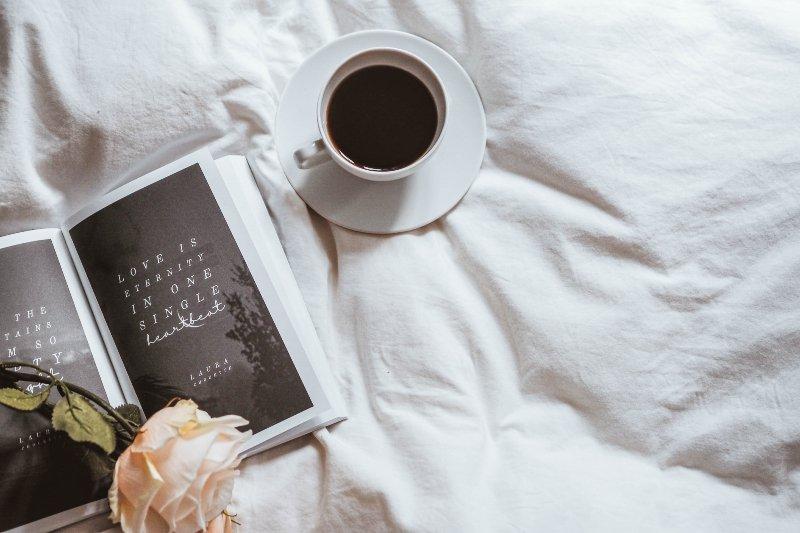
x=240, y=180
x=45, y=320
x=189, y=308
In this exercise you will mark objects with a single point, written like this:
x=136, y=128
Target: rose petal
x=179, y=473
x=139, y=481
x=180, y=462
x=218, y=491
x=163, y=425
x=221, y=524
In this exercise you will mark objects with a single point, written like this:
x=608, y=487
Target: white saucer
x=393, y=206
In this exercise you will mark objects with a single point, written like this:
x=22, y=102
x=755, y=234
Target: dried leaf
x=83, y=423
x=131, y=413
x=21, y=400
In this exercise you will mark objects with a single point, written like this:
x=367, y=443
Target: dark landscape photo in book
x=40, y=469
x=182, y=306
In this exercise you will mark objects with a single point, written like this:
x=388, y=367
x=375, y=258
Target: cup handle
x=311, y=155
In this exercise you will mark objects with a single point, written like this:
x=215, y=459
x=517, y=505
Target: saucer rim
x=469, y=82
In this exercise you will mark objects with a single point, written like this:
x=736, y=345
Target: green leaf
x=83, y=423
x=21, y=400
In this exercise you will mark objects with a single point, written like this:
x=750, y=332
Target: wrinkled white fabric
x=602, y=336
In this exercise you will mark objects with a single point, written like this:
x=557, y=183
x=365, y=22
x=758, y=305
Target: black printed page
x=189, y=308
x=44, y=320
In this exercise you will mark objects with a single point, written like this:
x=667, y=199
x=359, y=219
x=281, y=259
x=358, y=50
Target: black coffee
x=382, y=118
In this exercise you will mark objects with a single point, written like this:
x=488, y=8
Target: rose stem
x=23, y=376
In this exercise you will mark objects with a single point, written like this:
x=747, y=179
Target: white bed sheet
x=602, y=336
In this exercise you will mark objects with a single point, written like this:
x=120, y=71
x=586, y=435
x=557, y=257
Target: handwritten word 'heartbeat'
x=191, y=321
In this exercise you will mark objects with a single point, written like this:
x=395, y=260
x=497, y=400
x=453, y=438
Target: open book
x=174, y=285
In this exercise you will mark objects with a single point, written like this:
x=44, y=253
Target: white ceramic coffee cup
x=323, y=149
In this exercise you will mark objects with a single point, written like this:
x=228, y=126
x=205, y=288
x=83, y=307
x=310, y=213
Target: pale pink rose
x=178, y=473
